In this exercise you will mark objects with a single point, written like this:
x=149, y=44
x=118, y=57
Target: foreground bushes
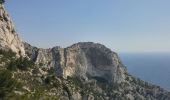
x=7, y=55
x=22, y=63
x=14, y=63
x=2, y=1
x=7, y=83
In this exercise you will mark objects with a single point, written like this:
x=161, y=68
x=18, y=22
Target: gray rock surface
x=84, y=60
x=83, y=71
x=8, y=37
x=94, y=63
x=97, y=67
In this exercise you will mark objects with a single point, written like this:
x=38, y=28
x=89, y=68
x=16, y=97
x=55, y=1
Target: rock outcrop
x=83, y=71
x=84, y=60
x=100, y=71
x=8, y=37
x=91, y=61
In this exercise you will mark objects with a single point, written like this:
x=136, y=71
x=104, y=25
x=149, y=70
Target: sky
x=121, y=25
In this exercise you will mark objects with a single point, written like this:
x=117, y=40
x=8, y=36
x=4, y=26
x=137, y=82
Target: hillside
x=83, y=71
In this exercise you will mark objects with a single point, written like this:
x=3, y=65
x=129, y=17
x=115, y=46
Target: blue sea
x=151, y=67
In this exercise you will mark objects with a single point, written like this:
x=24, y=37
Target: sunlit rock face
x=92, y=61
x=8, y=36
x=86, y=61
x=82, y=71
x=83, y=60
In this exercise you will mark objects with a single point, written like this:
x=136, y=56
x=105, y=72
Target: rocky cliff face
x=8, y=36
x=84, y=60
x=99, y=71
x=91, y=61
x=83, y=71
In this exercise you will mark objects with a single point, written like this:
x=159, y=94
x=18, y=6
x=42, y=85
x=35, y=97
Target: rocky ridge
x=83, y=71
x=93, y=63
x=83, y=60
x=9, y=39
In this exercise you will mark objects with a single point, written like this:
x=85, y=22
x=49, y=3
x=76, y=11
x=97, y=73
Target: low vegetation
x=14, y=63
x=2, y=1
x=21, y=79
x=7, y=55
x=22, y=63
x=7, y=83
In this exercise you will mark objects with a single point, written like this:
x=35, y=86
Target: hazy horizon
x=123, y=26
x=153, y=68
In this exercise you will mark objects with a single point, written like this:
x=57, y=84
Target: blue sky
x=122, y=25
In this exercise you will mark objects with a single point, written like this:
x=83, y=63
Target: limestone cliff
x=91, y=61
x=98, y=69
x=84, y=60
x=8, y=37
x=83, y=71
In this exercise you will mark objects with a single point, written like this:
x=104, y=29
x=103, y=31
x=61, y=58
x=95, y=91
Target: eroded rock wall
x=9, y=39
x=84, y=60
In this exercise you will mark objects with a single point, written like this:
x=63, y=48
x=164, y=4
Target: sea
x=151, y=67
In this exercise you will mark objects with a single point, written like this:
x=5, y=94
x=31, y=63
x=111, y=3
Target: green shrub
x=7, y=83
x=41, y=64
x=47, y=80
x=12, y=66
x=7, y=55
x=13, y=63
x=22, y=63
x=52, y=71
x=2, y=1
x=76, y=81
